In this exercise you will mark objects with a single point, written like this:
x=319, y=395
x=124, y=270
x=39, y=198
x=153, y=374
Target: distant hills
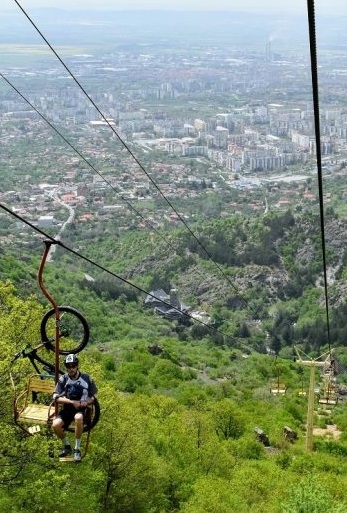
x=109, y=27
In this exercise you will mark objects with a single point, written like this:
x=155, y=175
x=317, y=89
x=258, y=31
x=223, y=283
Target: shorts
x=67, y=414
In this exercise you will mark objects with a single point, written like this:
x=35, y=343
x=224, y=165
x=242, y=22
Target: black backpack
x=74, y=391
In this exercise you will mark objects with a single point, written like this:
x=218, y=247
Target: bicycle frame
x=33, y=357
x=47, y=367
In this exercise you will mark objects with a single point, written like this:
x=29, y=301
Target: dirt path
x=330, y=431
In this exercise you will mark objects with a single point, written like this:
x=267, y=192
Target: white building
x=45, y=221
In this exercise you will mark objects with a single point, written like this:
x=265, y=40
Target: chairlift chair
x=302, y=392
x=33, y=407
x=329, y=396
x=277, y=387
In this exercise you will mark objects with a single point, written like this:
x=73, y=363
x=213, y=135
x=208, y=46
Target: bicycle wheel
x=94, y=417
x=73, y=330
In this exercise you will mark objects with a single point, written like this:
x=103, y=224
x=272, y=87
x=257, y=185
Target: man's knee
x=58, y=423
x=79, y=418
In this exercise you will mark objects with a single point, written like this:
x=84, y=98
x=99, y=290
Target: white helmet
x=71, y=358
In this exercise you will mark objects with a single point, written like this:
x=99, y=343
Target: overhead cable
x=315, y=94
x=179, y=216
x=101, y=267
x=165, y=239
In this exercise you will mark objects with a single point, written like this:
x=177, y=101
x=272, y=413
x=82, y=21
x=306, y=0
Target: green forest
x=231, y=396
x=182, y=403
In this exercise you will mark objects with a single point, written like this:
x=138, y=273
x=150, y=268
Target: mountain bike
x=63, y=330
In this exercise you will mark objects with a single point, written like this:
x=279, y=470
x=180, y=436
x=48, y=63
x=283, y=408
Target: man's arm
x=66, y=400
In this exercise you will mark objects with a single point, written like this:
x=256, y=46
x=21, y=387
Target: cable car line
x=165, y=239
x=130, y=205
x=315, y=94
x=102, y=268
x=319, y=167
x=179, y=216
x=79, y=154
x=328, y=365
x=316, y=110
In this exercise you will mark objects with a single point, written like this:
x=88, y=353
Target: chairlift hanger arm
x=48, y=244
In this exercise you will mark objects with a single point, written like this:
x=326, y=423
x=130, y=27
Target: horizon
x=239, y=26
x=326, y=8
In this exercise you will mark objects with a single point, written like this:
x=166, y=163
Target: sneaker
x=66, y=450
x=77, y=456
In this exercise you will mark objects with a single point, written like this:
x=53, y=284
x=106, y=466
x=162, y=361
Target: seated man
x=75, y=391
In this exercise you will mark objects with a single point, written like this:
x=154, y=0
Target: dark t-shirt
x=80, y=389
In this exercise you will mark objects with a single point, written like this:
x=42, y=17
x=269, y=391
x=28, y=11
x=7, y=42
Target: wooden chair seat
x=327, y=400
x=35, y=413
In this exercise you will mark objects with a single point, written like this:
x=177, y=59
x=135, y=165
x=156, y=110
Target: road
x=54, y=196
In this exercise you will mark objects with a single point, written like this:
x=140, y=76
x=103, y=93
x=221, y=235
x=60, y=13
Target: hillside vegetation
x=259, y=279
x=180, y=402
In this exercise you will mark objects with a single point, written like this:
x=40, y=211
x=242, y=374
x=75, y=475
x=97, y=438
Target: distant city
x=203, y=117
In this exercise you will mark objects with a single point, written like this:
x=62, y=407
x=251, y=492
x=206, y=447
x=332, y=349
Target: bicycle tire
x=73, y=328
x=95, y=416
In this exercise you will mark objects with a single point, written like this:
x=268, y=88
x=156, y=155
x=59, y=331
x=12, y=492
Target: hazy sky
x=322, y=6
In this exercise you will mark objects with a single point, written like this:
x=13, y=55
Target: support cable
x=58, y=132
x=179, y=216
x=315, y=94
x=104, y=269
